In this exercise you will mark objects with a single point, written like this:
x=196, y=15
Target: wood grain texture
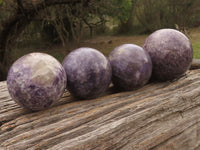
x=159, y=116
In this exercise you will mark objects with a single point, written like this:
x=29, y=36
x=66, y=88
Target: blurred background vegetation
x=57, y=27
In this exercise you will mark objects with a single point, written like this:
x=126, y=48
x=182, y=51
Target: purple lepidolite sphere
x=171, y=53
x=88, y=73
x=131, y=66
x=36, y=80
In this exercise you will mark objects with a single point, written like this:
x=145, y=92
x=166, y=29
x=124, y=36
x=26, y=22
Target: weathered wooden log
x=158, y=116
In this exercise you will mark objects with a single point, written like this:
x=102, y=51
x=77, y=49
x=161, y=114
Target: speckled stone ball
x=171, y=53
x=131, y=66
x=36, y=80
x=88, y=73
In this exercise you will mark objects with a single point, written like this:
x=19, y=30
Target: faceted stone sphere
x=88, y=73
x=131, y=66
x=171, y=53
x=36, y=80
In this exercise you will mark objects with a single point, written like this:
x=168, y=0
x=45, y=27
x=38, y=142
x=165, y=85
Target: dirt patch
x=106, y=44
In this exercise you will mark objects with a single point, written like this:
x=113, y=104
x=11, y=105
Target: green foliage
x=154, y=14
x=120, y=9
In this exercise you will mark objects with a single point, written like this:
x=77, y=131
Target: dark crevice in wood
x=1, y=124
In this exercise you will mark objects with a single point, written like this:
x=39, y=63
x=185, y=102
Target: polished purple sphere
x=36, y=80
x=88, y=73
x=171, y=53
x=131, y=66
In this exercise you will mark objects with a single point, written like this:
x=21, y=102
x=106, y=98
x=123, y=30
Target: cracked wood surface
x=158, y=116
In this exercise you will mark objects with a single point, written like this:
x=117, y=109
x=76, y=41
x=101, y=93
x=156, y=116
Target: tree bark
x=160, y=115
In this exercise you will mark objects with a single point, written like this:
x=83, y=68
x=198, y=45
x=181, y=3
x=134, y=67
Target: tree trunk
x=20, y=18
